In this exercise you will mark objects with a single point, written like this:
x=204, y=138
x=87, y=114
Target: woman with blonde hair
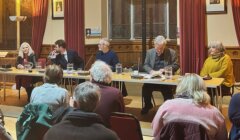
x=191, y=104
x=25, y=56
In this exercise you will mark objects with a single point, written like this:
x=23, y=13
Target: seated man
x=156, y=59
x=61, y=56
x=110, y=57
x=82, y=123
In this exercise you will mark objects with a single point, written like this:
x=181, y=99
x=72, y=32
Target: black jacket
x=72, y=58
x=78, y=125
x=31, y=58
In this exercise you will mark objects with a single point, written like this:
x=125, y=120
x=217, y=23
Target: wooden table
x=120, y=78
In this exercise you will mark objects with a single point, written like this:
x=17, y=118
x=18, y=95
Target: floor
x=132, y=101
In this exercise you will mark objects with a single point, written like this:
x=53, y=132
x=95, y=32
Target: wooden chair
x=119, y=122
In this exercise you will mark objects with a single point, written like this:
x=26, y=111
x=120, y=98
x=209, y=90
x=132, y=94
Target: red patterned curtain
x=236, y=17
x=39, y=20
x=74, y=25
x=192, y=35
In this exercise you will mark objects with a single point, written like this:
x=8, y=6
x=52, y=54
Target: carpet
x=11, y=111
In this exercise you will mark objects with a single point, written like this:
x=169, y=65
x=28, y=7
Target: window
x=125, y=17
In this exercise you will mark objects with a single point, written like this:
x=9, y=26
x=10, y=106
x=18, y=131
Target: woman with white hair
x=111, y=97
x=219, y=65
x=25, y=55
x=191, y=104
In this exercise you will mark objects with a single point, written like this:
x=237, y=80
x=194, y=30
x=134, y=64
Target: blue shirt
x=110, y=58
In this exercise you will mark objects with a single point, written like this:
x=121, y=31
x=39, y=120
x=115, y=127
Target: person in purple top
x=108, y=56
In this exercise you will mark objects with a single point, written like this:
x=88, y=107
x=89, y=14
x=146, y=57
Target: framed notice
x=57, y=9
x=216, y=6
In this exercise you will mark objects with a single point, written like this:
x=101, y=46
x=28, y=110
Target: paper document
x=3, y=54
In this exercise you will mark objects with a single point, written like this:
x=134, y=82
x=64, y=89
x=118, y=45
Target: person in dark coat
x=26, y=56
x=111, y=97
x=234, y=116
x=61, y=56
x=82, y=123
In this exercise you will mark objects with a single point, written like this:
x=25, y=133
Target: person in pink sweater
x=191, y=103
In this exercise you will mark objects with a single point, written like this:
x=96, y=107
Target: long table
x=120, y=78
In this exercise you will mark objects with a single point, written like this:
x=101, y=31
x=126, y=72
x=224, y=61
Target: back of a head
x=61, y=43
x=101, y=72
x=193, y=86
x=160, y=40
x=86, y=96
x=53, y=74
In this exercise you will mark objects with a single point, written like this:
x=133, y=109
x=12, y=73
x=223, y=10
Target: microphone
x=88, y=62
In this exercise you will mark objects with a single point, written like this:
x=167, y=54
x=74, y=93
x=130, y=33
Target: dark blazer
x=170, y=59
x=31, y=58
x=72, y=58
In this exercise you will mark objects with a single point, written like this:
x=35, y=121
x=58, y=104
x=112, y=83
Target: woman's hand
x=20, y=66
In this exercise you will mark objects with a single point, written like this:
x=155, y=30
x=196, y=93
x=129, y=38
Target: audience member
x=111, y=97
x=219, y=65
x=108, y=56
x=156, y=59
x=234, y=116
x=191, y=104
x=61, y=56
x=82, y=123
x=25, y=56
x=50, y=93
x=4, y=135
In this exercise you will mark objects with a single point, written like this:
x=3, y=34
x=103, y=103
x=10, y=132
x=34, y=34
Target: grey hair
x=160, y=40
x=105, y=42
x=216, y=44
x=87, y=95
x=101, y=72
x=20, y=53
x=193, y=86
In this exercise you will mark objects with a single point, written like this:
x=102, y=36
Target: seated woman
x=219, y=65
x=50, y=93
x=25, y=55
x=111, y=98
x=234, y=116
x=191, y=104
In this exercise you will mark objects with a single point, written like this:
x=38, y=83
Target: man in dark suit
x=61, y=56
x=156, y=59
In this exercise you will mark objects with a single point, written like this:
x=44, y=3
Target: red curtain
x=192, y=35
x=236, y=17
x=39, y=20
x=74, y=25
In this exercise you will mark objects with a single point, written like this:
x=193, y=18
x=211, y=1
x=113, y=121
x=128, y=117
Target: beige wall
x=55, y=28
x=219, y=26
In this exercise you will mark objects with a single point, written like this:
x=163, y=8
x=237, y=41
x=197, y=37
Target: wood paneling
x=129, y=52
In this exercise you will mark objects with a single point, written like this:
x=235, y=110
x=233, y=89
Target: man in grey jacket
x=156, y=59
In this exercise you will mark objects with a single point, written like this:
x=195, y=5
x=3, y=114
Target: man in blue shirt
x=108, y=56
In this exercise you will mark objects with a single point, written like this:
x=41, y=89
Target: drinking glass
x=168, y=72
x=118, y=68
x=38, y=66
x=69, y=68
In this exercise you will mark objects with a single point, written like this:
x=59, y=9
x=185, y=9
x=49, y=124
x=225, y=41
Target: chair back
x=183, y=130
x=126, y=126
x=34, y=122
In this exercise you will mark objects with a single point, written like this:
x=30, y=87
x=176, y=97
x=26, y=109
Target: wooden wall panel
x=129, y=52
